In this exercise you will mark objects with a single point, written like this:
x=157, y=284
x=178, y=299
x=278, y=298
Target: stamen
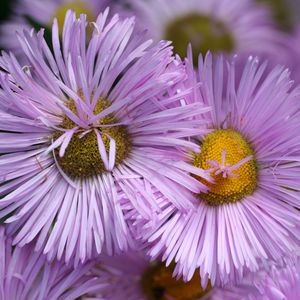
x=226, y=169
x=230, y=160
x=83, y=152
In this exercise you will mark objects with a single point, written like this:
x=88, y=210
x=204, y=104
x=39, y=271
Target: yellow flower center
x=80, y=7
x=159, y=284
x=203, y=32
x=230, y=160
x=82, y=157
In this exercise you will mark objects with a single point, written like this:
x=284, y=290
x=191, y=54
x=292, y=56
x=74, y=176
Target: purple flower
x=89, y=129
x=132, y=276
x=25, y=274
x=252, y=152
x=227, y=26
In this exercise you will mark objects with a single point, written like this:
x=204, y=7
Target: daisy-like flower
x=26, y=275
x=90, y=128
x=36, y=13
x=252, y=152
x=132, y=276
x=219, y=26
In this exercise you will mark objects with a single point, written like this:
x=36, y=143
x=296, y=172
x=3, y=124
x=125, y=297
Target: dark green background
x=5, y=6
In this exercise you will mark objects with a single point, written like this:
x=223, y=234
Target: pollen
x=230, y=160
x=203, y=32
x=159, y=284
x=80, y=7
x=82, y=157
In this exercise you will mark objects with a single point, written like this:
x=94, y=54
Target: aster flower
x=219, y=26
x=36, y=13
x=252, y=152
x=25, y=274
x=132, y=276
x=90, y=128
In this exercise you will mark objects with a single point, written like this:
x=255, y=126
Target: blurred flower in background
x=132, y=276
x=227, y=26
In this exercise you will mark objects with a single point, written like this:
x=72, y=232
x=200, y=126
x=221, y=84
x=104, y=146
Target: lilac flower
x=252, y=152
x=131, y=276
x=226, y=26
x=89, y=129
x=29, y=13
x=25, y=274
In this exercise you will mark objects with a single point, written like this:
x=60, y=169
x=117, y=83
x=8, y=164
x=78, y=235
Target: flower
x=226, y=26
x=34, y=13
x=25, y=274
x=132, y=276
x=87, y=130
x=252, y=152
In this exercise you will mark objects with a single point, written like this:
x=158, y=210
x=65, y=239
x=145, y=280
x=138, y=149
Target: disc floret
x=230, y=160
x=92, y=150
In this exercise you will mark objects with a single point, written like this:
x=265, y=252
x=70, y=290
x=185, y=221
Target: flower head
x=219, y=26
x=132, y=276
x=87, y=129
x=252, y=153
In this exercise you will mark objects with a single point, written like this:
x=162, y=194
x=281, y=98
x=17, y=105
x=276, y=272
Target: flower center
x=82, y=157
x=159, y=284
x=203, y=32
x=230, y=160
x=80, y=7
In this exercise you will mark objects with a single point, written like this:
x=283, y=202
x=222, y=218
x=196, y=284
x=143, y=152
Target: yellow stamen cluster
x=229, y=189
x=82, y=158
x=158, y=284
